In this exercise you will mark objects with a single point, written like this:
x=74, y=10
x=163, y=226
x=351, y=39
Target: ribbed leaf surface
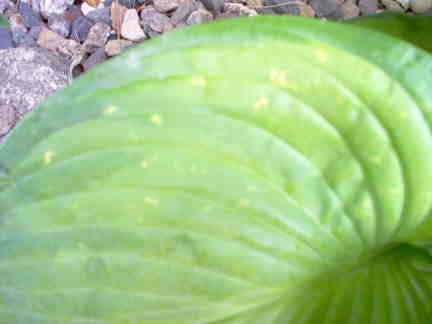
x=252, y=171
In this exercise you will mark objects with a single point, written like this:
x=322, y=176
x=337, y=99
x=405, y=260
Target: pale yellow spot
x=279, y=78
x=376, y=159
x=321, y=56
x=156, y=119
x=194, y=169
x=367, y=204
x=144, y=164
x=151, y=201
x=199, y=81
x=110, y=110
x=395, y=191
x=244, y=203
x=48, y=156
x=252, y=188
x=403, y=115
x=261, y=103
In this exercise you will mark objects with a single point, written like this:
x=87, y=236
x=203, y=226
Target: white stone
x=396, y=5
x=131, y=28
x=420, y=6
x=165, y=5
x=86, y=8
x=52, y=7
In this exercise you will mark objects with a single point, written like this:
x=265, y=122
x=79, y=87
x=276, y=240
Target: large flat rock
x=28, y=75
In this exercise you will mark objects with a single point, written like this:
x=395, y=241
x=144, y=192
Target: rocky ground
x=57, y=40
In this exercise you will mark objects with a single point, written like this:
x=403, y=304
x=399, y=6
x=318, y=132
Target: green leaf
x=269, y=170
x=414, y=29
x=4, y=22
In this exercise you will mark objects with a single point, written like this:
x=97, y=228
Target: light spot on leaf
x=244, y=203
x=321, y=55
x=252, y=188
x=109, y=110
x=403, y=115
x=261, y=103
x=395, y=191
x=279, y=78
x=144, y=164
x=367, y=204
x=156, y=119
x=376, y=159
x=199, y=81
x=151, y=201
x=48, y=156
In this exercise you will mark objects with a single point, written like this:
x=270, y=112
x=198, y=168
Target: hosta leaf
x=414, y=29
x=264, y=170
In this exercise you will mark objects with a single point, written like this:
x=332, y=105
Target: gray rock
x=237, y=9
x=281, y=7
x=368, y=7
x=306, y=11
x=60, y=25
x=31, y=17
x=165, y=5
x=420, y=6
x=214, y=6
x=4, y=5
x=325, y=8
x=6, y=40
x=8, y=119
x=130, y=4
x=97, y=37
x=94, y=59
x=153, y=33
x=116, y=46
x=349, y=9
x=72, y=14
x=184, y=9
x=56, y=43
x=130, y=28
x=19, y=31
x=427, y=13
x=35, y=31
x=199, y=16
x=80, y=28
x=102, y=15
x=50, y=7
x=154, y=20
x=28, y=76
x=36, y=5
